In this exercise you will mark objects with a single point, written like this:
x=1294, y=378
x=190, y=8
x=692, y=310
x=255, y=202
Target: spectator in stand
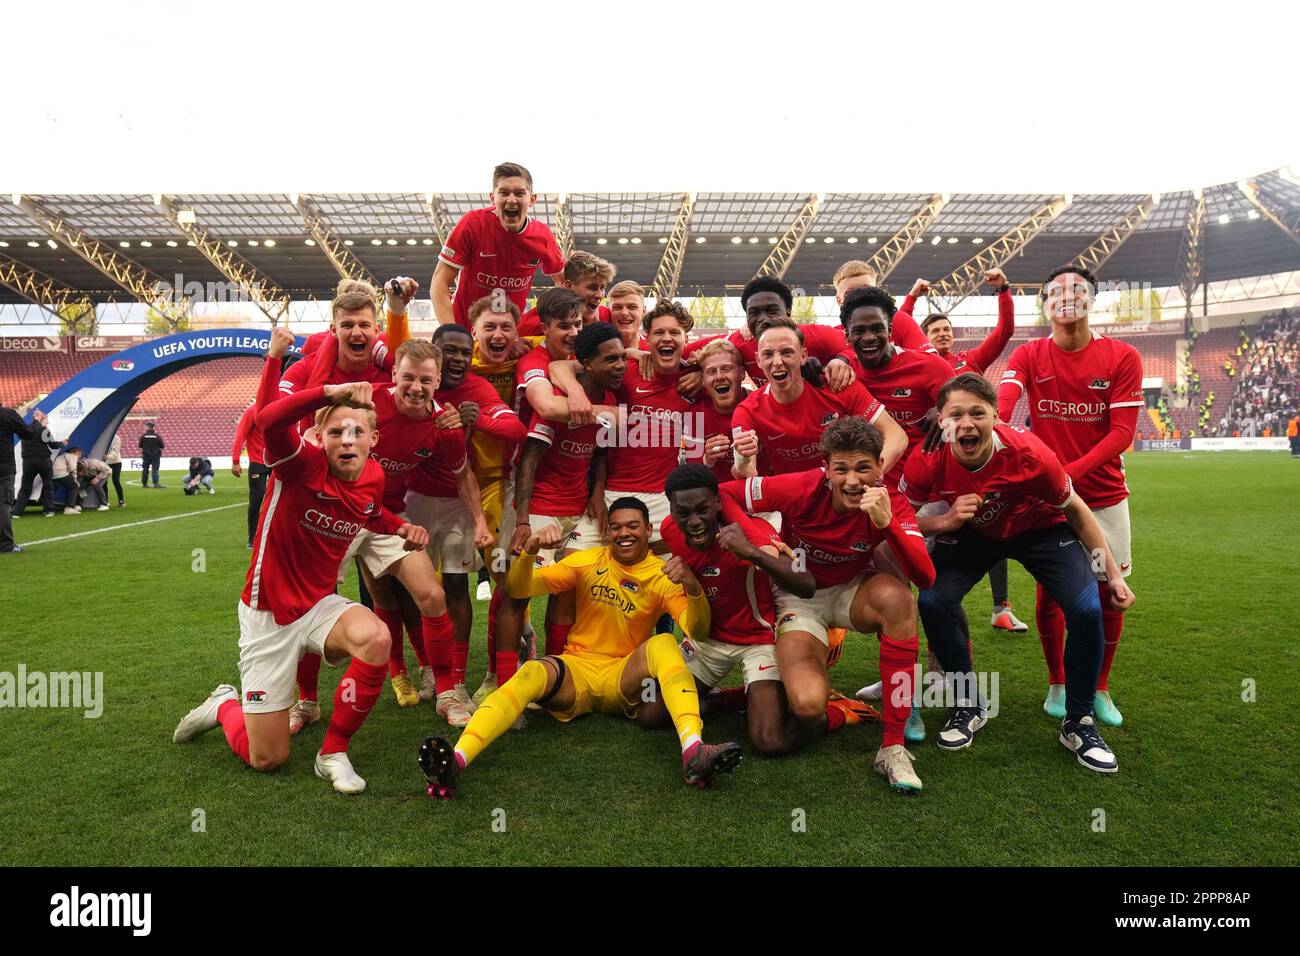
x=151, y=449
x=249, y=433
x=37, y=450
x=93, y=476
x=114, y=461
x=11, y=424
x=65, y=477
x=200, y=476
x=1293, y=435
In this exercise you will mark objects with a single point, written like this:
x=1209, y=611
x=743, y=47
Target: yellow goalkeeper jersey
x=488, y=458
x=617, y=605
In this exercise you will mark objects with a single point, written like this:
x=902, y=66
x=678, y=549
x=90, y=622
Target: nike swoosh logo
x=324, y=497
x=767, y=667
x=602, y=570
x=1064, y=544
x=1040, y=381
x=487, y=255
x=642, y=390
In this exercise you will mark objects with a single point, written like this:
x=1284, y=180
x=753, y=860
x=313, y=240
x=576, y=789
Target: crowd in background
x=1263, y=369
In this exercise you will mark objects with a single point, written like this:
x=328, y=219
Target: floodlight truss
x=40, y=289
x=891, y=253
x=259, y=288
x=564, y=227
x=123, y=272
x=341, y=258
x=787, y=247
x=669, y=272
x=1288, y=222
x=966, y=279
x=1193, y=242
x=441, y=218
x=1104, y=246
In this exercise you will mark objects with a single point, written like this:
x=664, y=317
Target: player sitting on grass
x=1009, y=497
x=612, y=655
x=320, y=499
x=736, y=566
x=836, y=517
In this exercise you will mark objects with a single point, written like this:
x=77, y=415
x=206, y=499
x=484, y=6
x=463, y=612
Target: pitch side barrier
x=88, y=408
x=1212, y=444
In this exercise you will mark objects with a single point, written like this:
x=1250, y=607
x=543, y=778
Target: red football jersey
x=309, y=517
x=560, y=482
x=295, y=379
x=714, y=423
x=249, y=434
x=986, y=353
x=530, y=323
x=788, y=435
x=908, y=386
x=823, y=343
x=1071, y=395
x=837, y=547
x=534, y=366
x=657, y=419
x=411, y=447
x=739, y=594
x=1023, y=485
x=488, y=257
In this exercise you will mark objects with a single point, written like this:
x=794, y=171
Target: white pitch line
x=132, y=524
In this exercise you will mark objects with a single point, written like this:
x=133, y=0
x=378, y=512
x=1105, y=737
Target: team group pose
x=688, y=507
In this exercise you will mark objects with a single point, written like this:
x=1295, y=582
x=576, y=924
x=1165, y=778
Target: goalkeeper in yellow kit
x=613, y=661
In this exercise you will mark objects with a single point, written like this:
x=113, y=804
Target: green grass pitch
x=1205, y=777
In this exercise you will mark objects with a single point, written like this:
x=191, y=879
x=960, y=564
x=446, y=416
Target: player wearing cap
x=320, y=499
x=1009, y=497
x=1085, y=393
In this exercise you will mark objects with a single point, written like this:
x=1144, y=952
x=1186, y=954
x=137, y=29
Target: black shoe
x=14, y=550
x=959, y=731
x=121, y=504
x=438, y=764
x=1081, y=736
x=710, y=759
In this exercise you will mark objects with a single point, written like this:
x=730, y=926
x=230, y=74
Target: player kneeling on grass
x=836, y=517
x=319, y=500
x=614, y=663
x=1009, y=497
x=736, y=566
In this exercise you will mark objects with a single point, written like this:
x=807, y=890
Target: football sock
x=557, y=635
x=392, y=619
x=437, y=643
x=1112, y=622
x=1083, y=650
x=417, y=645
x=499, y=710
x=355, y=696
x=459, y=657
x=230, y=716
x=308, y=676
x=1051, y=634
x=497, y=597
x=507, y=663
x=897, y=670
x=998, y=583
x=665, y=664
x=729, y=700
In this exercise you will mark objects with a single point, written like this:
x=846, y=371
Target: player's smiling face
x=667, y=338
x=608, y=365
x=496, y=334
x=761, y=308
x=356, y=330
x=346, y=437
x=1067, y=298
x=867, y=331
x=625, y=315
x=512, y=197
x=416, y=382
x=780, y=356
x=457, y=354
x=561, y=333
x=850, y=474
x=967, y=421
x=695, y=511
x=939, y=333
x=629, y=536
x=721, y=377
x=592, y=291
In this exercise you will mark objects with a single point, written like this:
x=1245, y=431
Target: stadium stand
x=1261, y=394
x=26, y=375
x=196, y=410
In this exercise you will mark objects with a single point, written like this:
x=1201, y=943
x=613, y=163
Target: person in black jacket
x=200, y=477
x=11, y=424
x=37, y=451
x=151, y=449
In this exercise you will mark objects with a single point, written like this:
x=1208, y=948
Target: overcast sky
x=395, y=97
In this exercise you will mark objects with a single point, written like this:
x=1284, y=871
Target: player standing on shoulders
x=320, y=499
x=1084, y=392
x=1009, y=497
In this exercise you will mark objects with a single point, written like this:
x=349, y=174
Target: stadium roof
x=729, y=235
